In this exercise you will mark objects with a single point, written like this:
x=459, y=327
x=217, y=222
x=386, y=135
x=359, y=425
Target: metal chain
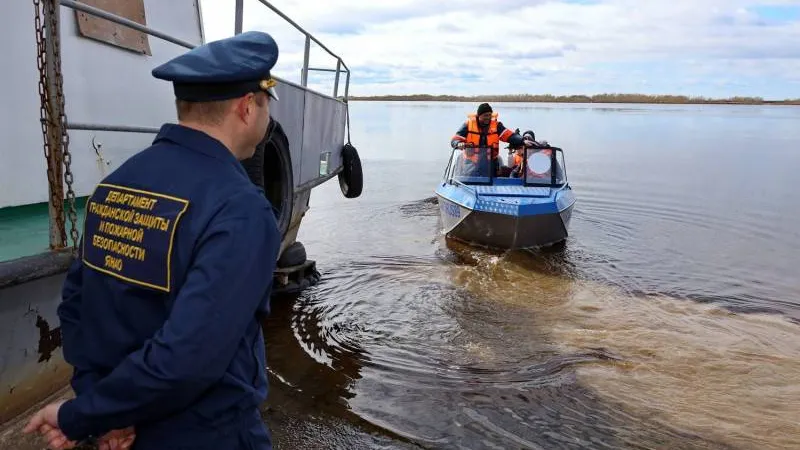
x=47, y=115
x=71, y=212
x=44, y=103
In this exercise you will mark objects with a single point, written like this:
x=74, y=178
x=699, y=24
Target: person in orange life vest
x=484, y=130
x=517, y=160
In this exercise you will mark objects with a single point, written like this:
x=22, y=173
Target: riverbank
x=601, y=98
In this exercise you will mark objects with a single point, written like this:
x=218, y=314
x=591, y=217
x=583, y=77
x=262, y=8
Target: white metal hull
x=107, y=85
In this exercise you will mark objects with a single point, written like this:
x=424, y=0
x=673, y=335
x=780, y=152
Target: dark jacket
x=159, y=314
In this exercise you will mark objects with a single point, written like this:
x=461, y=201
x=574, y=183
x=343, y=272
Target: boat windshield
x=470, y=166
x=539, y=167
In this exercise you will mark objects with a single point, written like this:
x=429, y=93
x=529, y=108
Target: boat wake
x=421, y=208
x=500, y=350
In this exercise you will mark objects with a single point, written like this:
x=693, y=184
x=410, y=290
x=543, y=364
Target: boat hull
x=313, y=124
x=504, y=231
x=32, y=366
x=31, y=363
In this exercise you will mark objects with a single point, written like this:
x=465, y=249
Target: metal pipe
x=347, y=85
x=304, y=77
x=100, y=127
x=136, y=26
x=320, y=69
x=55, y=161
x=336, y=82
x=299, y=28
x=239, y=16
x=123, y=21
x=310, y=91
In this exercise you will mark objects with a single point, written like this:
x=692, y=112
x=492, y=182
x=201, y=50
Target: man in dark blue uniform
x=159, y=312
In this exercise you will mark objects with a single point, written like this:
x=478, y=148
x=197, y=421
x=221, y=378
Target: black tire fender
x=270, y=168
x=351, y=178
x=293, y=255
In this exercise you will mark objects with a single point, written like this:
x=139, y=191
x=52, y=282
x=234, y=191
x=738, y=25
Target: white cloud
x=694, y=47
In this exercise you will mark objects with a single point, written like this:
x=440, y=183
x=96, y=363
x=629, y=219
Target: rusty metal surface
x=49, y=339
x=31, y=363
x=51, y=106
x=49, y=379
x=111, y=33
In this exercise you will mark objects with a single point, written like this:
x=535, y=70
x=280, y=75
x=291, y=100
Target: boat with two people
x=524, y=204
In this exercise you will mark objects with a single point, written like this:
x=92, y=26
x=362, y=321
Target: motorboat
x=486, y=203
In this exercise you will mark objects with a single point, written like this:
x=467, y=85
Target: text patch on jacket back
x=129, y=234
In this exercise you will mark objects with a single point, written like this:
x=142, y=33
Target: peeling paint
x=49, y=340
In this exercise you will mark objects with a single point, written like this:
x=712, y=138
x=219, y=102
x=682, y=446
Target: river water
x=670, y=319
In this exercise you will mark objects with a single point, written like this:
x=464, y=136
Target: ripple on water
x=695, y=368
x=740, y=254
x=589, y=346
x=444, y=358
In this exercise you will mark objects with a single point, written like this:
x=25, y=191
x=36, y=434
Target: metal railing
x=58, y=146
x=123, y=21
x=97, y=127
x=340, y=65
x=309, y=38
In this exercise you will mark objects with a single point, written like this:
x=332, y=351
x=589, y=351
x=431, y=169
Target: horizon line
x=580, y=98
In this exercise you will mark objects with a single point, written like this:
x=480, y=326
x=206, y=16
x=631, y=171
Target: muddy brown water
x=669, y=320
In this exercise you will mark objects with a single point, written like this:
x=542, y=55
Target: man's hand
x=117, y=439
x=45, y=421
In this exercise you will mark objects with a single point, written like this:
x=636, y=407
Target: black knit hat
x=529, y=134
x=484, y=108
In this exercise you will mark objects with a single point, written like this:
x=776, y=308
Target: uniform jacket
x=159, y=312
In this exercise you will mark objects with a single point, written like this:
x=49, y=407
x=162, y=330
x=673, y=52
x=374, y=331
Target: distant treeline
x=601, y=98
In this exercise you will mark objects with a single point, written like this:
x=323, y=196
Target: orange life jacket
x=517, y=162
x=474, y=136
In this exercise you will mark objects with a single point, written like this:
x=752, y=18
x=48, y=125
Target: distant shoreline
x=601, y=98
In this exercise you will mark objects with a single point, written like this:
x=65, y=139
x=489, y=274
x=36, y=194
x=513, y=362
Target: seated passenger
x=516, y=160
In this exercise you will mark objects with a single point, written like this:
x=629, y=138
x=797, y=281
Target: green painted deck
x=25, y=230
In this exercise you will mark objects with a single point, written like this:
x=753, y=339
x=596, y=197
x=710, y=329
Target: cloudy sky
x=716, y=48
